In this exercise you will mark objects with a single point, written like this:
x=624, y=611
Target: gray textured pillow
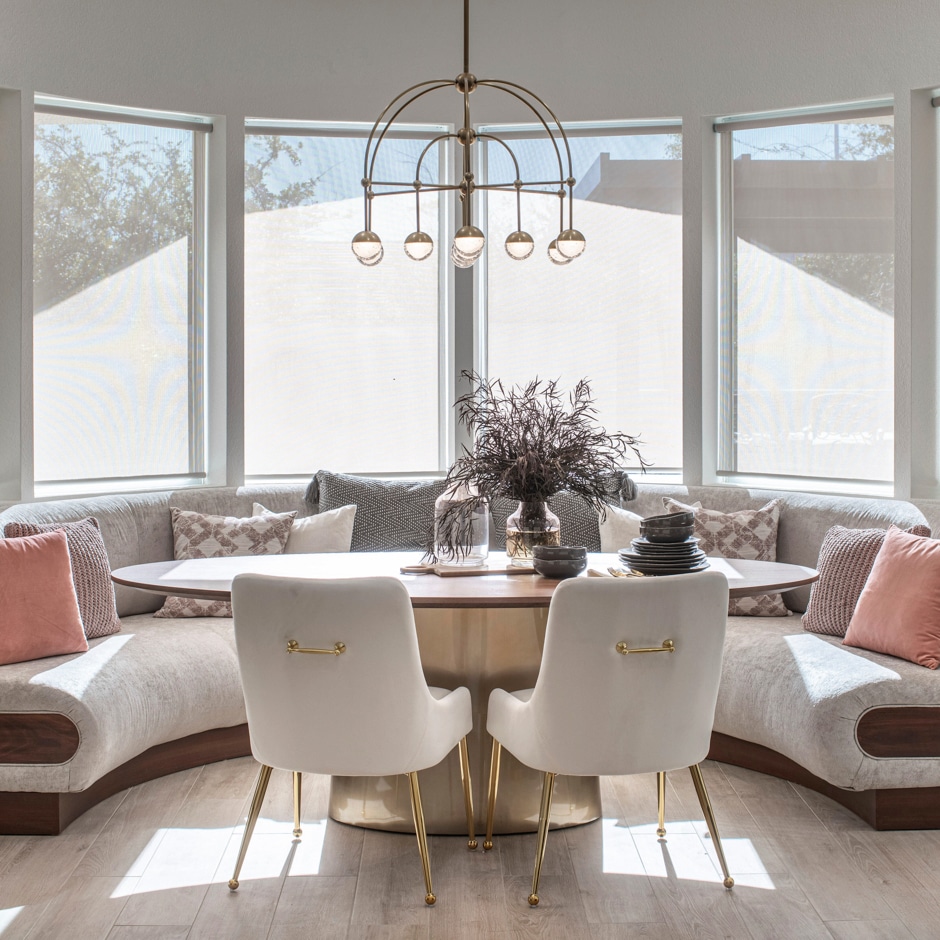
x=91, y=571
x=846, y=557
x=391, y=516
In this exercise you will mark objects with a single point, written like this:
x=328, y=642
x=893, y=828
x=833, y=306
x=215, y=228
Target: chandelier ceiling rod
x=469, y=240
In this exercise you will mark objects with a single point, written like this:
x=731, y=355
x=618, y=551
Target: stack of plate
x=664, y=558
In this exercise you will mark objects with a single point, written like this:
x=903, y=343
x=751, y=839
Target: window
x=807, y=328
x=117, y=304
x=614, y=315
x=345, y=365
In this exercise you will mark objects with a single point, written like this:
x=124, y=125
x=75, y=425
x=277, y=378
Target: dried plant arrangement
x=530, y=442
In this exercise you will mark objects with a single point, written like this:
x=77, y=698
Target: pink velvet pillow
x=898, y=611
x=38, y=609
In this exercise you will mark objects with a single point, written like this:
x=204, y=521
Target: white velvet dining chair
x=333, y=685
x=627, y=685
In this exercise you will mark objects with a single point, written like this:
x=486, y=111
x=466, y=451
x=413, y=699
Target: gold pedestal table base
x=483, y=649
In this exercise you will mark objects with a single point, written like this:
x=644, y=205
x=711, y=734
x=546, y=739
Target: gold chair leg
x=467, y=792
x=545, y=812
x=260, y=787
x=417, y=810
x=495, y=755
x=298, y=832
x=702, y=793
x=661, y=802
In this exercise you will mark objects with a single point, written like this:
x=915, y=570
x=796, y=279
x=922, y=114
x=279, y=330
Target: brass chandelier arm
x=525, y=186
x=410, y=187
x=507, y=88
x=503, y=85
x=515, y=163
x=437, y=82
x=368, y=166
x=443, y=188
x=424, y=152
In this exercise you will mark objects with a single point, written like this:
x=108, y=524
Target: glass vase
x=461, y=528
x=533, y=523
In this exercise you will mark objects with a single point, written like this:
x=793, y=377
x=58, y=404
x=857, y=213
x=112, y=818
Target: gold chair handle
x=294, y=647
x=667, y=647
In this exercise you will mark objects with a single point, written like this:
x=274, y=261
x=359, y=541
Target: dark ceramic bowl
x=670, y=519
x=667, y=533
x=559, y=552
x=559, y=568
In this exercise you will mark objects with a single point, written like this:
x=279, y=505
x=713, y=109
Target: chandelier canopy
x=469, y=240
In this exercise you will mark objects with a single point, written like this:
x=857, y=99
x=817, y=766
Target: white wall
x=600, y=60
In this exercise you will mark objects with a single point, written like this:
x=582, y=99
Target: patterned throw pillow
x=748, y=533
x=846, y=557
x=91, y=571
x=196, y=535
x=390, y=516
x=329, y=531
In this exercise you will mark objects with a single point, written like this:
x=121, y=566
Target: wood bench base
x=906, y=808
x=47, y=814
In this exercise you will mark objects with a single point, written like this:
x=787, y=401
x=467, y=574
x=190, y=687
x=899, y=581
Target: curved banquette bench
x=861, y=727
x=158, y=697
x=164, y=695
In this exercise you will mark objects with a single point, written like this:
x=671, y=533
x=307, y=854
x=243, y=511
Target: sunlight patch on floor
x=275, y=853
x=182, y=858
x=681, y=855
x=7, y=917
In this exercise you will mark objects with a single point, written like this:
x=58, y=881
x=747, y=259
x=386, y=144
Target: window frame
x=573, y=129
x=201, y=127
x=722, y=359
x=446, y=314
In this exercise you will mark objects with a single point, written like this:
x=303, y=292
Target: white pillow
x=329, y=531
x=618, y=530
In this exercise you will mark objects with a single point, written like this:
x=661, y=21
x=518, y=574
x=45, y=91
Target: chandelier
x=469, y=240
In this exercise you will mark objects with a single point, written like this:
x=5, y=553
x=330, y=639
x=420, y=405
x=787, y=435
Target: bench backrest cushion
x=136, y=527
x=805, y=518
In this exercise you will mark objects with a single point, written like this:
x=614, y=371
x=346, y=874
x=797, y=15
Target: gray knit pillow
x=391, y=516
x=846, y=557
x=91, y=571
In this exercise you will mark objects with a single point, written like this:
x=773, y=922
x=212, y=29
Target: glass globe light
x=366, y=245
x=460, y=259
x=372, y=262
x=571, y=243
x=556, y=256
x=469, y=240
x=418, y=246
x=519, y=245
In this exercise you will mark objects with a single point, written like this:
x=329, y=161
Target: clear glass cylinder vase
x=461, y=528
x=533, y=523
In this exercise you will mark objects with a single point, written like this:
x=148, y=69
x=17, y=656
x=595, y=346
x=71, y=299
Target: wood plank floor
x=152, y=864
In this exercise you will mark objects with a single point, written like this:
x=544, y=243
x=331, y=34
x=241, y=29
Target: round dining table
x=482, y=631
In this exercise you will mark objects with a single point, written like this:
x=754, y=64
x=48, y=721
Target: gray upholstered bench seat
x=825, y=706
x=861, y=727
x=155, y=681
